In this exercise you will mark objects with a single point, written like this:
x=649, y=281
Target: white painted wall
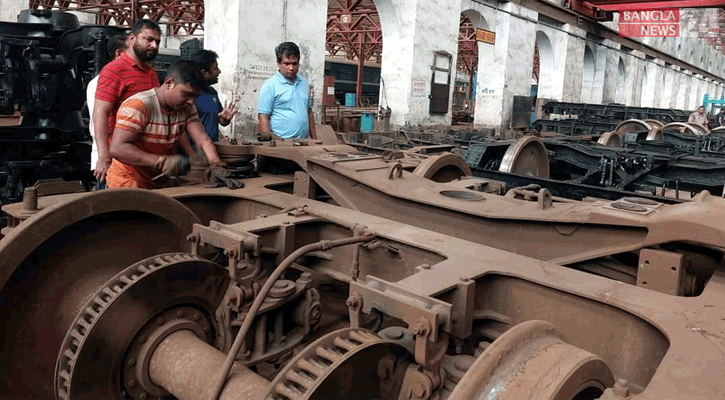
x=10, y=9
x=245, y=42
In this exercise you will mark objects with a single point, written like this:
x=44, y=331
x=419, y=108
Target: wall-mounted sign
x=418, y=88
x=485, y=36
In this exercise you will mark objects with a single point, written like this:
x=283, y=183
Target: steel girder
x=177, y=14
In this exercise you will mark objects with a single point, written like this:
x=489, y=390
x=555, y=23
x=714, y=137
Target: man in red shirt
x=120, y=79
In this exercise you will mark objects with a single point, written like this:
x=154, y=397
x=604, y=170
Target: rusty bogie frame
x=445, y=290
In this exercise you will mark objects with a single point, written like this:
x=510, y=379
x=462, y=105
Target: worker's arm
x=202, y=140
x=123, y=148
x=101, y=112
x=186, y=146
x=264, y=125
x=264, y=110
x=311, y=121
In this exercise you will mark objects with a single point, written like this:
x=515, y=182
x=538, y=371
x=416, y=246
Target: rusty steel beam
x=568, y=327
x=187, y=14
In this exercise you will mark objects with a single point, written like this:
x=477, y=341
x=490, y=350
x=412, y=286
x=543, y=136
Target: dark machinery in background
x=596, y=119
x=643, y=156
x=345, y=74
x=48, y=60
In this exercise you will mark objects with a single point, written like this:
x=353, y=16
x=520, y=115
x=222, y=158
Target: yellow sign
x=485, y=36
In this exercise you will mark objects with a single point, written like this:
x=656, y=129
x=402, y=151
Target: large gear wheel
x=340, y=365
x=89, y=362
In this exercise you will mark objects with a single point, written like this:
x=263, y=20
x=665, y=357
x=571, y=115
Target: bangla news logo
x=650, y=23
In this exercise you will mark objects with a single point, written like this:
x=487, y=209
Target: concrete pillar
x=431, y=26
x=672, y=81
x=510, y=67
x=604, y=87
x=574, y=44
x=633, y=80
x=683, y=92
x=245, y=41
x=11, y=8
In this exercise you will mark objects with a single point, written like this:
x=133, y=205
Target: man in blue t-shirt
x=284, y=100
x=210, y=110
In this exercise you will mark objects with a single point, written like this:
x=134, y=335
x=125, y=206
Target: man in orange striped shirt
x=149, y=127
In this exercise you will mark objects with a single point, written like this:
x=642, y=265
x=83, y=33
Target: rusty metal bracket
x=399, y=302
x=395, y=171
x=243, y=248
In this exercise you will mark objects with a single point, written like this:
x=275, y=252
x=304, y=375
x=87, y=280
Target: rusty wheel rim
x=610, y=139
x=526, y=157
x=532, y=360
x=442, y=168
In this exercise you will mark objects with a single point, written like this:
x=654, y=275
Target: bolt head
x=143, y=396
x=197, y=317
x=132, y=383
x=160, y=321
x=131, y=362
x=419, y=389
x=142, y=339
x=621, y=389
x=180, y=313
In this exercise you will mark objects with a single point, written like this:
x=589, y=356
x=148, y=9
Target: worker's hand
x=173, y=165
x=228, y=111
x=102, y=166
x=219, y=175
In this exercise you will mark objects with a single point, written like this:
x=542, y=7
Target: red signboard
x=650, y=23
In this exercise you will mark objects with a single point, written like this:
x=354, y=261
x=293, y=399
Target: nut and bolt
x=131, y=362
x=142, y=339
x=132, y=384
x=180, y=313
x=143, y=396
x=621, y=389
x=421, y=328
x=419, y=389
x=197, y=317
x=160, y=321
x=353, y=301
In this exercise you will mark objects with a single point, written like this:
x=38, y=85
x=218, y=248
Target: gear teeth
x=344, y=344
x=77, y=335
x=288, y=391
x=312, y=369
x=86, y=320
x=304, y=373
x=328, y=355
x=300, y=379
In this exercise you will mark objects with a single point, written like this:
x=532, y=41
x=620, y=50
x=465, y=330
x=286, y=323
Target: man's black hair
x=115, y=42
x=145, y=24
x=186, y=72
x=204, y=58
x=288, y=49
